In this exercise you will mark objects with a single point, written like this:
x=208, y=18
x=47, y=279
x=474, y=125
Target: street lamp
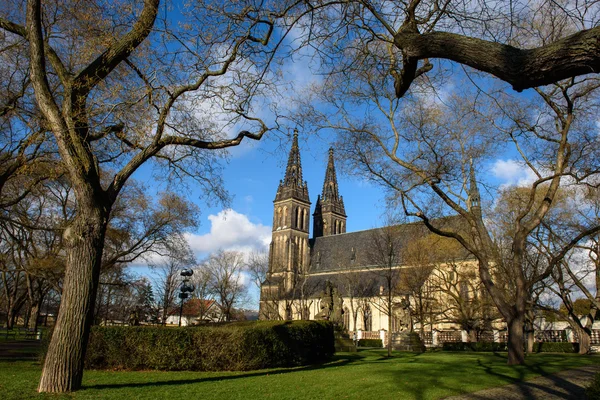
x=185, y=290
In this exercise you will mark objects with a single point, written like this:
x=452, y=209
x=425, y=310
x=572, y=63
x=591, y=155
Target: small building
x=195, y=312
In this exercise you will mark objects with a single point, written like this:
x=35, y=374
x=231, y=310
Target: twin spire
x=330, y=214
x=474, y=198
x=293, y=172
x=330, y=195
x=292, y=185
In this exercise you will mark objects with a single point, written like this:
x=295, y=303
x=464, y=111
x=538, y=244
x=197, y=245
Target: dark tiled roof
x=369, y=282
x=357, y=250
x=192, y=307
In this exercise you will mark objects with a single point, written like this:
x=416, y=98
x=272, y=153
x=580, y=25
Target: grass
x=366, y=374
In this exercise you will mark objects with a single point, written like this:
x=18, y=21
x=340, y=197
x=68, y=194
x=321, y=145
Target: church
x=367, y=281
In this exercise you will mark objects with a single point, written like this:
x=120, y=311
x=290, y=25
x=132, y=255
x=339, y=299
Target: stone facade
x=302, y=268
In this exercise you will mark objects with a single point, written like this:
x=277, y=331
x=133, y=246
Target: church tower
x=330, y=216
x=474, y=198
x=289, y=251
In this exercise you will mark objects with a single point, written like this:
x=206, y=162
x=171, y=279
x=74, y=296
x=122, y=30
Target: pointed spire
x=292, y=184
x=474, y=199
x=330, y=185
x=330, y=216
x=293, y=172
x=331, y=195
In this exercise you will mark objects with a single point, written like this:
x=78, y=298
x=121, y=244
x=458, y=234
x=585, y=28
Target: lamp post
x=185, y=290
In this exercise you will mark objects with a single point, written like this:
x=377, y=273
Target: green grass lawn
x=364, y=375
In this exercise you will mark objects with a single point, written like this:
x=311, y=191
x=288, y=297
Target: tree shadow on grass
x=526, y=388
x=452, y=379
x=336, y=361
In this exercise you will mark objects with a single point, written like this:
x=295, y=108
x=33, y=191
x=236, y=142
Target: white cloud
x=513, y=173
x=231, y=230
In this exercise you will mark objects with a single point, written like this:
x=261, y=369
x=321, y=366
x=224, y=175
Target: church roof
x=359, y=250
x=365, y=283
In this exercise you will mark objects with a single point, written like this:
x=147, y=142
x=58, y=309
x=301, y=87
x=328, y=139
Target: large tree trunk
x=34, y=314
x=585, y=341
x=389, y=331
x=530, y=336
x=63, y=367
x=516, y=355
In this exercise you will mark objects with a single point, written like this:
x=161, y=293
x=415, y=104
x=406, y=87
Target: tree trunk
x=389, y=332
x=63, y=368
x=530, y=336
x=585, y=342
x=10, y=318
x=33, y=315
x=530, y=341
x=516, y=355
x=472, y=335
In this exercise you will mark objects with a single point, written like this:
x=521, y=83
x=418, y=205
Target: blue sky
x=251, y=176
x=254, y=169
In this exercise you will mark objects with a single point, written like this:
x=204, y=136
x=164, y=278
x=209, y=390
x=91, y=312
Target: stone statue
x=331, y=305
x=405, y=318
x=337, y=312
x=134, y=318
x=326, y=303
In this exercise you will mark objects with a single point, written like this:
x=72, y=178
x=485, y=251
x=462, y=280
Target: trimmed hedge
x=232, y=347
x=555, y=347
x=370, y=343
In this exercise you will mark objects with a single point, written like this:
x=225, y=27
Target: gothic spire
x=330, y=193
x=292, y=184
x=293, y=172
x=330, y=214
x=330, y=185
x=474, y=199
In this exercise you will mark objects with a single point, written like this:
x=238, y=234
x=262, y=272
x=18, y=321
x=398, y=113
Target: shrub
x=474, y=346
x=555, y=347
x=592, y=392
x=238, y=346
x=370, y=343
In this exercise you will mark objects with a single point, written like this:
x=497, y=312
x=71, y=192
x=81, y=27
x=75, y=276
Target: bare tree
x=385, y=254
x=124, y=86
x=358, y=290
x=258, y=268
x=168, y=272
x=524, y=43
x=226, y=282
x=422, y=254
x=568, y=244
x=427, y=154
x=203, y=291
